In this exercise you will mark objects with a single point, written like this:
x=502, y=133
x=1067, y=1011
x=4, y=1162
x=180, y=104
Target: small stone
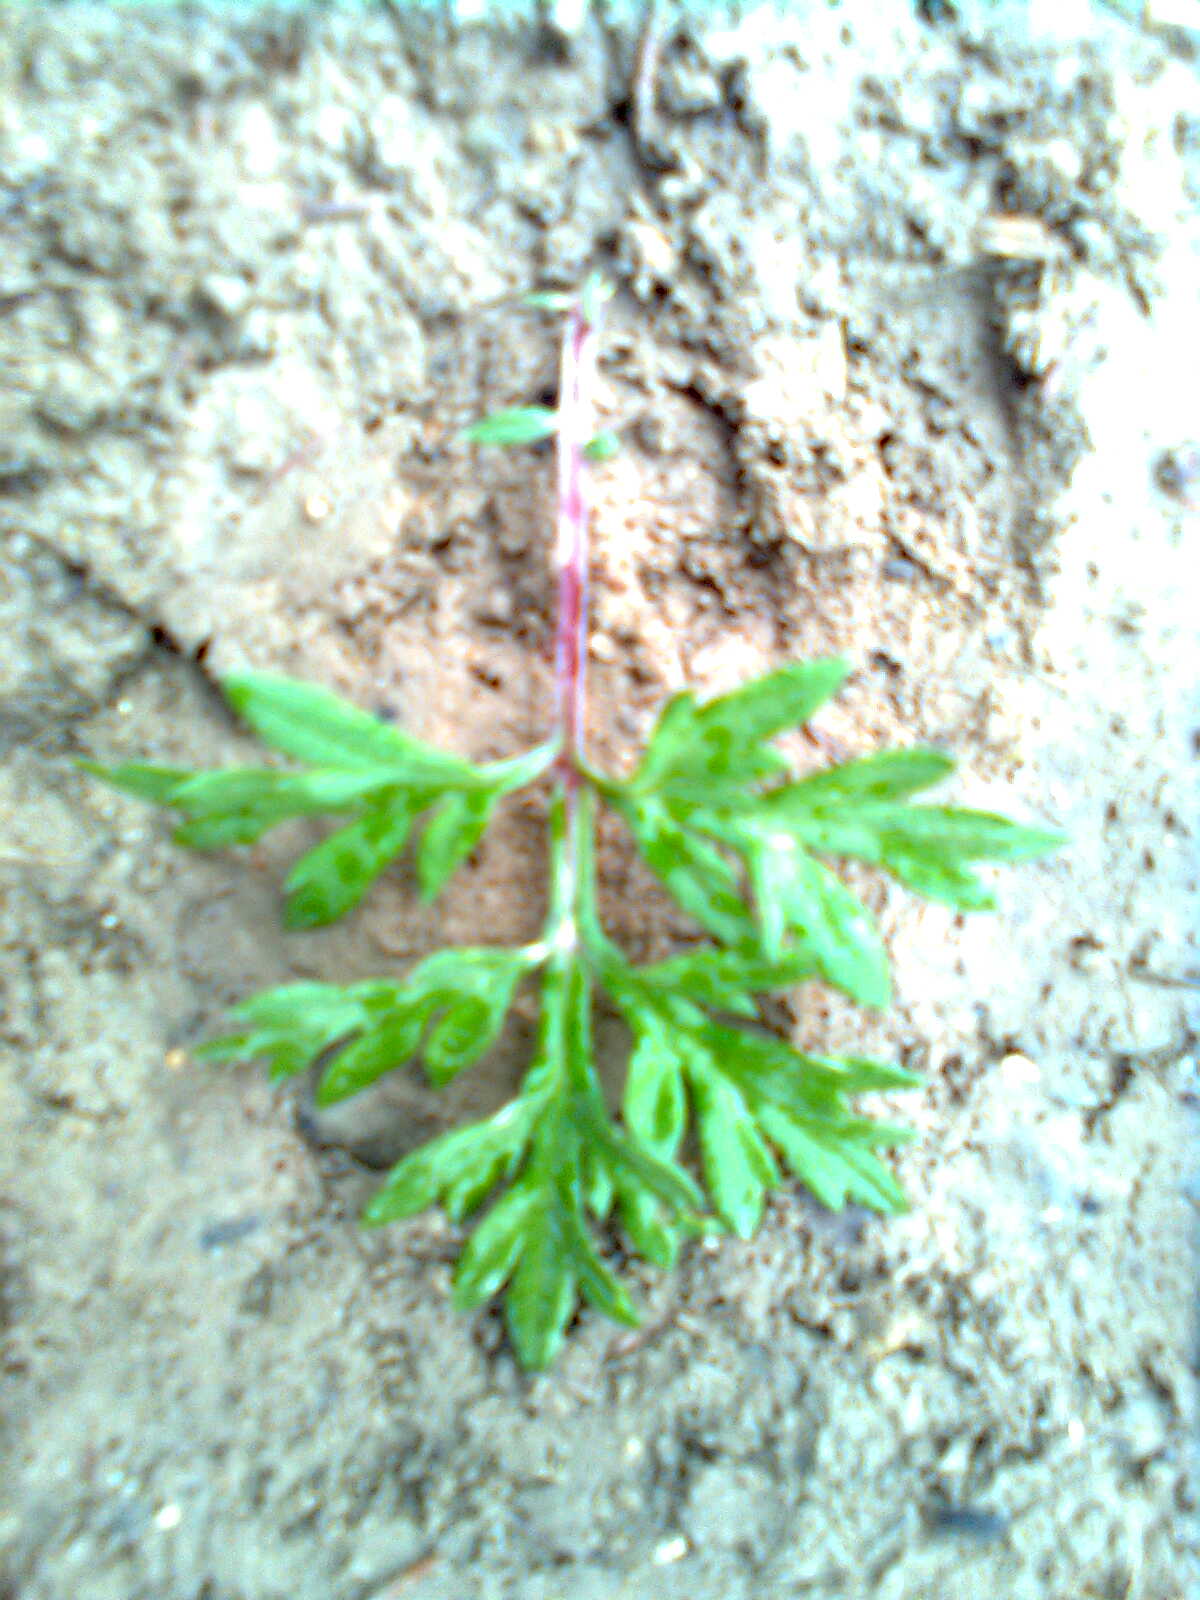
x=256, y=138
x=670, y=1551
x=1017, y=1072
x=1142, y=1426
x=224, y=293
x=71, y=403
x=901, y=571
x=497, y=608
x=1177, y=472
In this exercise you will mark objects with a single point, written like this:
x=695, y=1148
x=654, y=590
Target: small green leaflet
x=517, y=425
x=709, y=752
x=796, y=896
x=457, y=1170
x=291, y=1026
x=695, y=872
x=459, y=823
x=314, y=726
x=602, y=446
x=333, y=877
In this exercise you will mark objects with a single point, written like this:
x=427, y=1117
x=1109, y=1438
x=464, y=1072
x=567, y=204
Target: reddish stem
x=577, y=373
x=574, y=431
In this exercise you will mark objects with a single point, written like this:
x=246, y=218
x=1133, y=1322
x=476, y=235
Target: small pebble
x=670, y=1551
x=976, y=1523
x=901, y=571
x=1177, y=472
x=219, y=1234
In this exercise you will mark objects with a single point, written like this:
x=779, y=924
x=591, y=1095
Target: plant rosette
x=741, y=844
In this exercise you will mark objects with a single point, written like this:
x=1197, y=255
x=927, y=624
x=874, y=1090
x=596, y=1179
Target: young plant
x=736, y=839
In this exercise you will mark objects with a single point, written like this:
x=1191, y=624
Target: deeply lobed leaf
x=753, y=1094
x=365, y=766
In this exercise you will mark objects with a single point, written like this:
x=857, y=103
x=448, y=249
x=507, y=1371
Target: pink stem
x=574, y=431
x=577, y=373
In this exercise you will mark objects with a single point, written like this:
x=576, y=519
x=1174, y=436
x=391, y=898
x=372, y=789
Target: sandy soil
x=251, y=278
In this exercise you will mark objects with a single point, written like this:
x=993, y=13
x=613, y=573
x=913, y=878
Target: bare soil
x=902, y=362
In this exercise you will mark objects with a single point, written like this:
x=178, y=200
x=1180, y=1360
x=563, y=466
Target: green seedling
x=741, y=844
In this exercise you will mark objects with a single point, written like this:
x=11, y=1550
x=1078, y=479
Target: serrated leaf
x=693, y=871
x=332, y=878
x=453, y=831
x=473, y=1020
x=388, y=1045
x=317, y=727
x=887, y=775
x=237, y=805
x=459, y=1168
x=858, y=1075
x=495, y=1246
x=948, y=882
x=681, y=762
x=925, y=847
x=727, y=979
x=599, y=1287
x=220, y=832
x=719, y=750
x=771, y=704
x=469, y=991
x=542, y=1294
x=651, y=1233
x=795, y=894
x=289, y=793
x=514, y=426
x=738, y=1167
x=290, y=1026
x=655, y=1105
x=834, y=1172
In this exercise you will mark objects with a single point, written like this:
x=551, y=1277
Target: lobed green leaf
x=292, y=1025
x=738, y=1167
x=836, y=1171
x=467, y=991
x=720, y=749
x=887, y=775
x=925, y=847
x=459, y=1168
x=450, y=835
